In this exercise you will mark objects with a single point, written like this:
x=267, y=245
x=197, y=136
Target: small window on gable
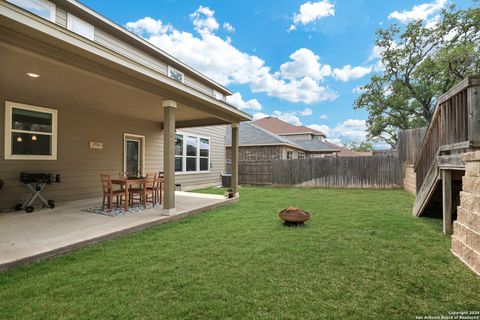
x=30, y=132
x=217, y=95
x=41, y=8
x=176, y=75
x=80, y=27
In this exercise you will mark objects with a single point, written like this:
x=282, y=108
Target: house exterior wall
x=108, y=40
x=217, y=159
x=254, y=153
x=80, y=167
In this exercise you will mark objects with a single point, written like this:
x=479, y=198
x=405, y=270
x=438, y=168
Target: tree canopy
x=419, y=62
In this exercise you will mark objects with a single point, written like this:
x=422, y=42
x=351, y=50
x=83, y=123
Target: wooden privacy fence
x=342, y=172
x=409, y=143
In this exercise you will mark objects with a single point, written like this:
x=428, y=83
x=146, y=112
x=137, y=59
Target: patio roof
x=73, y=68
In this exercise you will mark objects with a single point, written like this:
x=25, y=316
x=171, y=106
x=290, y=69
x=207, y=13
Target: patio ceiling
x=80, y=78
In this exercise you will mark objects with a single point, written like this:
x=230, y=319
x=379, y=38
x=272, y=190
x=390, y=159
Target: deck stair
x=439, y=166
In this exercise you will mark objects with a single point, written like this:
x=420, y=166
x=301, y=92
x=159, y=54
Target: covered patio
x=28, y=238
x=102, y=97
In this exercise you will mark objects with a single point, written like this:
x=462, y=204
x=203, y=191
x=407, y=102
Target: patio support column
x=235, y=159
x=169, y=107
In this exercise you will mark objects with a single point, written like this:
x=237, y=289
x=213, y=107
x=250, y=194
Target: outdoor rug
x=121, y=211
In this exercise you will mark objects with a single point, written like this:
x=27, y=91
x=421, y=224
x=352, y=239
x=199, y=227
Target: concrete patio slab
x=25, y=238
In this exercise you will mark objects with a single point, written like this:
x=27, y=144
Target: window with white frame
x=80, y=27
x=301, y=155
x=175, y=74
x=42, y=8
x=192, y=153
x=30, y=132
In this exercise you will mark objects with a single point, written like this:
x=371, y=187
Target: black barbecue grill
x=36, y=182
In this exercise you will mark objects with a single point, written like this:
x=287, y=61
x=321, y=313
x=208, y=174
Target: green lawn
x=362, y=256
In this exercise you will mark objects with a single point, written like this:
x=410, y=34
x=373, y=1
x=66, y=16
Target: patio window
x=176, y=75
x=80, y=27
x=192, y=153
x=289, y=155
x=30, y=132
x=42, y=8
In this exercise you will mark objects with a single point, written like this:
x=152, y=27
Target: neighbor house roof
x=344, y=152
x=316, y=145
x=251, y=134
x=278, y=126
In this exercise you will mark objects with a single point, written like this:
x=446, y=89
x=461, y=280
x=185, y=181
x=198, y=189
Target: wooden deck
x=453, y=131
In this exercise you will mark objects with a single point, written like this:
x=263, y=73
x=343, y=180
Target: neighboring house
x=312, y=140
x=288, y=130
x=259, y=144
x=81, y=96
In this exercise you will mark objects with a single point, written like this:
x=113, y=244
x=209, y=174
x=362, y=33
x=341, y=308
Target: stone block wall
x=409, y=179
x=466, y=235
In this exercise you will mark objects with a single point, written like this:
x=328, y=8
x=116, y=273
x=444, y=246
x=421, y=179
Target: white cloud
x=289, y=117
x=204, y=21
x=237, y=101
x=344, y=132
x=418, y=12
x=259, y=115
x=324, y=116
x=228, y=27
x=304, y=64
x=348, y=73
x=358, y=89
x=312, y=11
x=147, y=26
x=306, y=112
x=220, y=60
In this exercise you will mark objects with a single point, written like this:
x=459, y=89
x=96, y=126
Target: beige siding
x=217, y=159
x=80, y=166
x=116, y=45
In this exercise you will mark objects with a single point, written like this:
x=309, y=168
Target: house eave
x=141, y=43
x=14, y=20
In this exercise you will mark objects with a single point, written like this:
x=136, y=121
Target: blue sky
x=297, y=60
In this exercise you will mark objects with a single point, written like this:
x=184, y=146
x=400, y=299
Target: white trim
x=134, y=137
x=218, y=95
x=51, y=5
x=198, y=157
x=71, y=18
x=169, y=68
x=8, y=132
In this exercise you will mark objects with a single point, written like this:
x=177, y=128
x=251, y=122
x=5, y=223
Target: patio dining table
x=125, y=183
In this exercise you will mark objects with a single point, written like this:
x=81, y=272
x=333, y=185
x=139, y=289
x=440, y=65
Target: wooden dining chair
x=151, y=180
x=140, y=191
x=158, y=189
x=109, y=193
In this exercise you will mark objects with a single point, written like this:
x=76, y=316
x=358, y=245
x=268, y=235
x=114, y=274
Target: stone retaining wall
x=466, y=235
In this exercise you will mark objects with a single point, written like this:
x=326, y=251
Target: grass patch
x=362, y=256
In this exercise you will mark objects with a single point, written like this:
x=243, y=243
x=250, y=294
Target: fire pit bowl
x=292, y=215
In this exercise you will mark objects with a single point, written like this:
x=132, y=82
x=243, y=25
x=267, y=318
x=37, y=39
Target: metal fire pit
x=294, y=216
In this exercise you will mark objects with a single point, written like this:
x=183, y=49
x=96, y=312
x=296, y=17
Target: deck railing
x=455, y=126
